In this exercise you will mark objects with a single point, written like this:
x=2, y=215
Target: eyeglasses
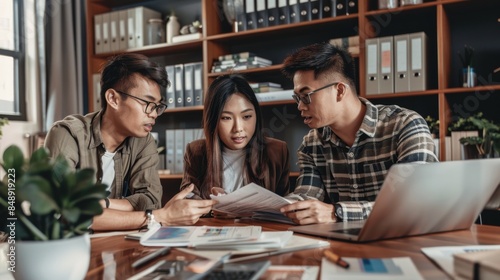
x=306, y=98
x=150, y=106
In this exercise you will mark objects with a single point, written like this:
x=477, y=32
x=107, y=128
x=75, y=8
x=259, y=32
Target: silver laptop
x=419, y=199
x=494, y=201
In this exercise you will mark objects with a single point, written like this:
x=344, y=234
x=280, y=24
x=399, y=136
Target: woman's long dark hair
x=256, y=168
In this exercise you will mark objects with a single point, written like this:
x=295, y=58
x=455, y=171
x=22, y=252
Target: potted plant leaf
x=487, y=144
x=48, y=207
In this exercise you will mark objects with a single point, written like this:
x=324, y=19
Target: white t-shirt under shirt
x=108, y=169
x=233, y=162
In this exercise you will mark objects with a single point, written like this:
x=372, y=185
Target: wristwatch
x=150, y=219
x=337, y=209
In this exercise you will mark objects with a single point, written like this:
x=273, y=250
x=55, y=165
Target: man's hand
x=180, y=211
x=309, y=212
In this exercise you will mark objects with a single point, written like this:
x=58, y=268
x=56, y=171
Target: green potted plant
x=433, y=125
x=49, y=208
x=486, y=144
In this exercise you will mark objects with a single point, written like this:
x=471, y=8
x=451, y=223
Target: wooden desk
x=113, y=256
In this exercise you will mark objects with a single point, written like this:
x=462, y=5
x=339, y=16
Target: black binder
x=251, y=14
x=272, y=12
x=351, y=7
x=241, y=19
x=283, y=12
x=315, y=9
x=293, y=11
x=304, y=10
x=340, y=8
x=327, y=8
x=261, y=11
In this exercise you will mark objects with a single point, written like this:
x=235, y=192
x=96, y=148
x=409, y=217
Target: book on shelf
x=186, y=37
x=265, y=84
x=220, y=68
x=275, y=96
x=267, y=89
x=253, y=59
x=479, y=265
x=236, y=55
x=345, y=42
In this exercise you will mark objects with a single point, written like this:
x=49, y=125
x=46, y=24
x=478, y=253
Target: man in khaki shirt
x=117, y=143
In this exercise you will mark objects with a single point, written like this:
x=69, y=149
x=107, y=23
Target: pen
x=147, y=258
x=334, y=258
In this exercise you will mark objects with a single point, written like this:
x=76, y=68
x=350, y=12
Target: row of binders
x=264, y=13
x=396, y=63
x=186, y=85
x=176, y=141
x=123, y=29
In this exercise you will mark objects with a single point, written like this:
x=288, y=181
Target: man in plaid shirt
x=352, y=143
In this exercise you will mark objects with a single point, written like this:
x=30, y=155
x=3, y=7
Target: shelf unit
x=441, y=20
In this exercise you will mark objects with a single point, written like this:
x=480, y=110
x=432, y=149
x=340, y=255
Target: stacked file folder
x=396, y=63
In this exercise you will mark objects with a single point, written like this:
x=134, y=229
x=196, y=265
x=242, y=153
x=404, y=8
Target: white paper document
x=295, y=272
x=443, y=255
x=359, y=268
x=193, y=236
x=296, y=243
x=249, y=199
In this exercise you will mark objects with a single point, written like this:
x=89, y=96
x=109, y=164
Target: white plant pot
x=65, y=259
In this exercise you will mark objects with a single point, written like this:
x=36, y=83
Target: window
x=12, y=96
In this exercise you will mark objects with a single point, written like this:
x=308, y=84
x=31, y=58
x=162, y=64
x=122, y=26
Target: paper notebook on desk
x=420, y=199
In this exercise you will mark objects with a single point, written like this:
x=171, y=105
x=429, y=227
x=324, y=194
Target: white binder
x=418, y=61
x=386, y=65
x=106, y=43
x=198, y=83
x=122, y=29
x=170, y=150
x=114, y=18
x=401, y=63
x=142, y=16
x=179, y=151
x=98, y=34
x=188, y=84
x=131, y=28
x=170, y=96
x=179, y=85
x=371, y=69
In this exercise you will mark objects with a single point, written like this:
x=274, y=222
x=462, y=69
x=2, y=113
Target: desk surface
x=114, y=254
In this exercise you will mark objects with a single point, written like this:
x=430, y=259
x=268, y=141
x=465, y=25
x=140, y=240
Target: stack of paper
x=216, y=238
x=482, y=265
x=443, y=255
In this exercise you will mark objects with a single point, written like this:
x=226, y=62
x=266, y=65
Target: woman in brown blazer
x=234, y=152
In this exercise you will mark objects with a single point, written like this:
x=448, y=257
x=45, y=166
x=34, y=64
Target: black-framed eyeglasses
x=150, y=106
x=306, y=98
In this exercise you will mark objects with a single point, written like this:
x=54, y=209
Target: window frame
x=19, y=64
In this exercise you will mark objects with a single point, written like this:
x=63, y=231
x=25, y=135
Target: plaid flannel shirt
x=332, y=172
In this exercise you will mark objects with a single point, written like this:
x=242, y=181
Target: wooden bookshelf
x=441, y=20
